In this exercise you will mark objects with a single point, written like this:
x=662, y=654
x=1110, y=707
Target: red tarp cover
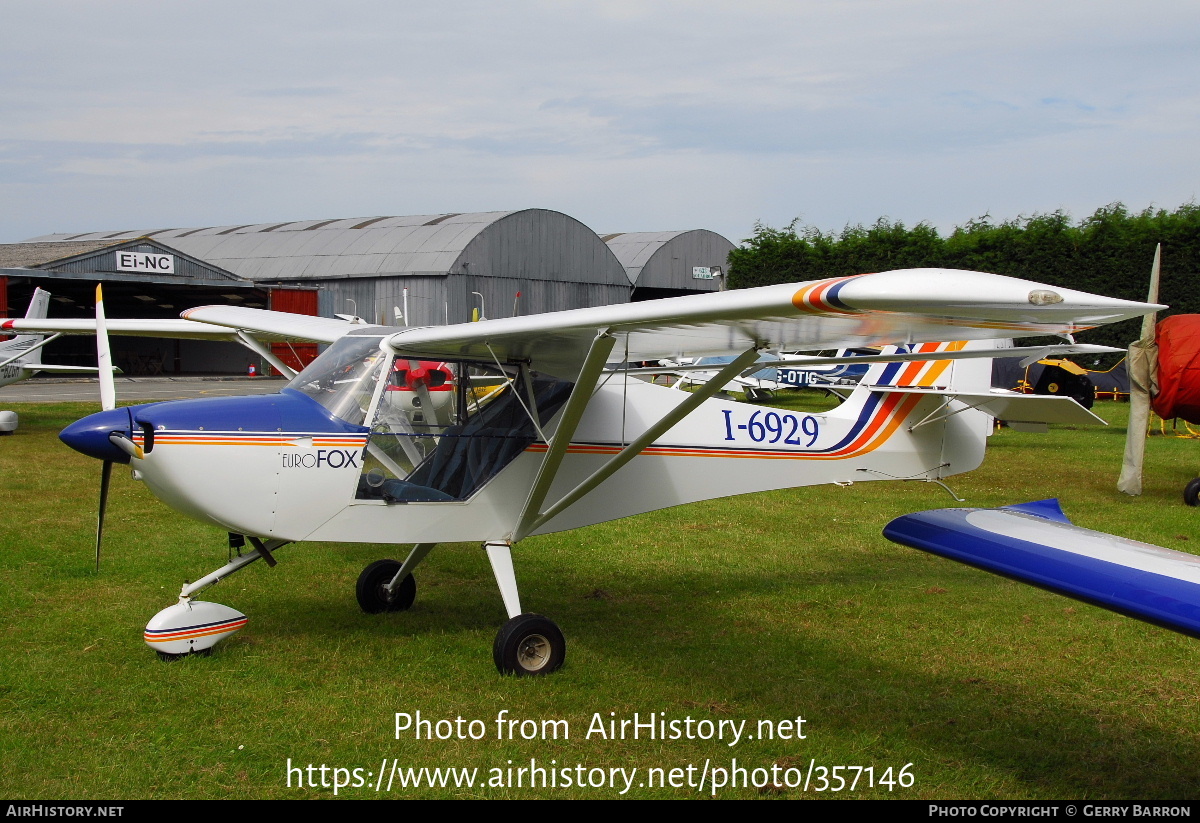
x=1178, y=339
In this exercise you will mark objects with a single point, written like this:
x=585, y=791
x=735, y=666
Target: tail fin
x=11, y=349
x=970, y=376
x=39, y=305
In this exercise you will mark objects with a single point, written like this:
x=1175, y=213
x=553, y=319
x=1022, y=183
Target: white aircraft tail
x=21, y=356
x=39, y=309
x=39, y=306
x=955, y=376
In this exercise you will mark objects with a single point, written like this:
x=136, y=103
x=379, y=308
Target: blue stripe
x=831, y=297
x=197, y=626
x=889, y=373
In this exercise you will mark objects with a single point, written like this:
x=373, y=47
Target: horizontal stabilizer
x=1035, y=543
x=1012, y=407
x=52, y=369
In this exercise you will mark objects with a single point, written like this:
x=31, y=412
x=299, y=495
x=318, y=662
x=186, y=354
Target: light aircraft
x=770, y=373
x=755, y=381
x=20, y=357
x=538, y=437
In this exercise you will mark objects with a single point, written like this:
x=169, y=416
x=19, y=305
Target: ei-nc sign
x=702, y=273
x=145, y=261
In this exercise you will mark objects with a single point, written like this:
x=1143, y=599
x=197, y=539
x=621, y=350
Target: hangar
x=415, y=270
x=671, y=263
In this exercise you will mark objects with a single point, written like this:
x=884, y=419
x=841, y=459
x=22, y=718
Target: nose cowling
x=90, y=435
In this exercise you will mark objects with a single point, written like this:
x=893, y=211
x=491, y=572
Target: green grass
x=767, y=606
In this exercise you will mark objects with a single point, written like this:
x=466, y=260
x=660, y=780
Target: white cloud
x=629, y=116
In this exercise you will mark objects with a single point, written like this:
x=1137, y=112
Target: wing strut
x=645, y=439
x=254, y=345
x=585, y=384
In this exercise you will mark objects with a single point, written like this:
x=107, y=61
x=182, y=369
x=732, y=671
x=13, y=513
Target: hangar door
x=295, y=301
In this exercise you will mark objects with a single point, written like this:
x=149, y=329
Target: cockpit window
x=441, y=430
x=343, y=378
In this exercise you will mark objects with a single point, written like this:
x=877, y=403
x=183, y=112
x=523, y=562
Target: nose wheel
x=529, y=644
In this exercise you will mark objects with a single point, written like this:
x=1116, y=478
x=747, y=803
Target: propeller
x=1142, y=364
x=108, y=401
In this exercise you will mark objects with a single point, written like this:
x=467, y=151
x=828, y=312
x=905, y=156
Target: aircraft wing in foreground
x=253, y=328
x=495, y=431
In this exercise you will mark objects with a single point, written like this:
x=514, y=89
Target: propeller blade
x=108, y=388
x=1142, y=367
x=105, y=474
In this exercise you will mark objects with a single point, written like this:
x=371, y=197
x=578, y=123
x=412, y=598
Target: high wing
x=204, y=323
x=904, y=306
x=252, y=328
x=123, y=328
x=270, y=325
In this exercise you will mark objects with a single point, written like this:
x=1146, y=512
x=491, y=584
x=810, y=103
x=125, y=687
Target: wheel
x=1191, y=493
x=529, y=644
x=373, y=597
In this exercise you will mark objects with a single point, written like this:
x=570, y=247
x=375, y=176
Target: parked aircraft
x=271, y=327
x=20, y=357
x=539, y=437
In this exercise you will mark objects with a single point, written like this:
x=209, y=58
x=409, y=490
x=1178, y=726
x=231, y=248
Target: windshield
x=343, y=378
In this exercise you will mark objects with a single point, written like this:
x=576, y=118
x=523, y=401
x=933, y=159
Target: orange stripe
x=184, y=635
x=895, y=409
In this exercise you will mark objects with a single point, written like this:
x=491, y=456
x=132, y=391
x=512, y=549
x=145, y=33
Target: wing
x=906, y=306
x=123, y=328
x=1035, y=543
x=204, y=323
x=272, y=325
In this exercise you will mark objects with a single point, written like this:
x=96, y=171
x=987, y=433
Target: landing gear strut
x=528, y=644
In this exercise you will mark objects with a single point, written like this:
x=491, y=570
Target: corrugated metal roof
x=25, y=255
x=665, y=259
x=393, y=245
x=635, y=248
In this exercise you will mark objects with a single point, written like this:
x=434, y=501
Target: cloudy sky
x=630, y=116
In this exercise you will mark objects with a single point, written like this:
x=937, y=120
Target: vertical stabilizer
x=973, y=375
x=16, y=352
x=39, y=306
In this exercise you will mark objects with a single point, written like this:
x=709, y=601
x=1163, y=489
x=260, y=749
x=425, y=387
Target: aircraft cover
x=1178, y=339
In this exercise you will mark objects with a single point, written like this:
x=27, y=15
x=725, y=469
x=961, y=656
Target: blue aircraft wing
x=1035, y=543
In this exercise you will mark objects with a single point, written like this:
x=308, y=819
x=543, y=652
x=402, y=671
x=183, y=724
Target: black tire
x=1191, y=493
x=373, y=597
x=529, y=645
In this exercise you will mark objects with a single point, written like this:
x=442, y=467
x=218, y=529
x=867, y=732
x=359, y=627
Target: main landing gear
x=373, y=592
x=527, y=645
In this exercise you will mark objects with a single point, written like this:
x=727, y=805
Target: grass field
x=764, y=607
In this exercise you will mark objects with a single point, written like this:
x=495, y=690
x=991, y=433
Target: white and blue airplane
x=535, y=435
